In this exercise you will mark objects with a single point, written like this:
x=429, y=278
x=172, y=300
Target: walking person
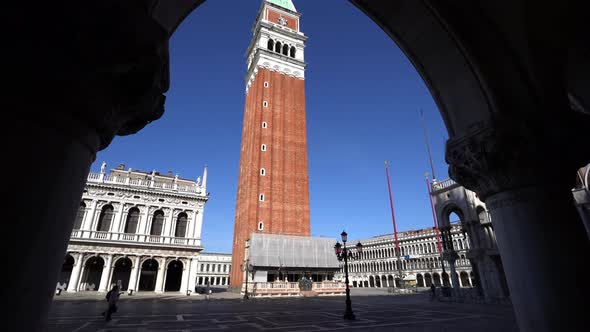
x=207, y=291
x=112, y=298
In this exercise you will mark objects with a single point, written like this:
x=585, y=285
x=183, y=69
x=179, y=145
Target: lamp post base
x=349, y=315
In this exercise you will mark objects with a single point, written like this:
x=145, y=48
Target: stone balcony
x=135, y=239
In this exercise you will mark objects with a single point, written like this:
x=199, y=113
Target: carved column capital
x=511, y=154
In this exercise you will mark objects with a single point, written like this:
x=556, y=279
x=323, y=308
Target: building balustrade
x=130, y=237
x=443, y=184
x=143, y=183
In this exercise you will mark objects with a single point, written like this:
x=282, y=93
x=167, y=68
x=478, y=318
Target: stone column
x=186, y=268
x=69, y=98
x=198, y=225
x=119, y=220
x=88, y=219
x=75, y=277
x=169, y=220
x=524, y=174
x=192, y=277
x=106, y=274
x=133, y=279
x=160, y=275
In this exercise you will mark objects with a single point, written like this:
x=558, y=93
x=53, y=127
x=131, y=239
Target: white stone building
x=419, y=263
x=213, y=268
x=137, y=229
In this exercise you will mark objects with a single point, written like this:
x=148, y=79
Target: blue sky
x=363, y=102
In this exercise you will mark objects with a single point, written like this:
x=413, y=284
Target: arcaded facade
x=140, y=230
x=419, y=264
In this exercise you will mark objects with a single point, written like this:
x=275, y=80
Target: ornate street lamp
x=247, y=268
x=343, y=253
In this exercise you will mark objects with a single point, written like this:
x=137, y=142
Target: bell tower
x=273, y=194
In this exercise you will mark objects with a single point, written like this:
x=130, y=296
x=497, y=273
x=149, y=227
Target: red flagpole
x=391, y=204
x=433, y=215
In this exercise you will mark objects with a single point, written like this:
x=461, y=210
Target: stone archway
x=436, y=279
x=371, y=281
x=92, y=273
x=464, y=279
x=148, y=275
x=420, y=280
x=476, y=50
x=173, y=276
x=66, y=270
x=445, y=279
x=427, y=279
x=122, y=273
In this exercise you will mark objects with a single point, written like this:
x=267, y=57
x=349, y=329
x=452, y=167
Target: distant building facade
x=213, y=268
x=419, y=262
x=136, y=229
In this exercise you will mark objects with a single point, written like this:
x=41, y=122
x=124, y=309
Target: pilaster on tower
x=278, y=44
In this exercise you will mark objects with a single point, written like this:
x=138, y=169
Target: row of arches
x=90, y=278
x=411, y=264
x=107, y=214
x=422, y=280
x=282, y=48
x=413, y=249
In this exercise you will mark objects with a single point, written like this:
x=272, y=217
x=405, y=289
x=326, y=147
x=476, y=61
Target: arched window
x=286, y=50
x=104, y=220
x=271, y=44
x=264, y=125
x=132, y=220
x=262, y=172
x=157, y=223
x=278, y=47
x=292, y=51
x=80, y=216
x=260, y=225
x=181, y=223
x=263, y=147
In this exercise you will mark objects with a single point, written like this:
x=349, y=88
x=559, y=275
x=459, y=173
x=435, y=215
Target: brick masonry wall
x=285, y=209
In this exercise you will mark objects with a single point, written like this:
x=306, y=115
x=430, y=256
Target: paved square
x=223, y=313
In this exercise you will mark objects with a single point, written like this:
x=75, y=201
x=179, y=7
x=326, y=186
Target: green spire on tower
x=287, y=4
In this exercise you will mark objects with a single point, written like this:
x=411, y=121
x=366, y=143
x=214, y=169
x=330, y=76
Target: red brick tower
x=273, y=194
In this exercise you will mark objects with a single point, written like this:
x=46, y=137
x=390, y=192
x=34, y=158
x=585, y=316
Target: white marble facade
x=419, y=262
x=213, y=268
x=141, y=230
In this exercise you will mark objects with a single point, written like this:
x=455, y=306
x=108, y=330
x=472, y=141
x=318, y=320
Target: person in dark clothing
x=433, y=290
x=112, y=298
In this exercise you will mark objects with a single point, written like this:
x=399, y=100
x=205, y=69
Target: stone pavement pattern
x=192, y=313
